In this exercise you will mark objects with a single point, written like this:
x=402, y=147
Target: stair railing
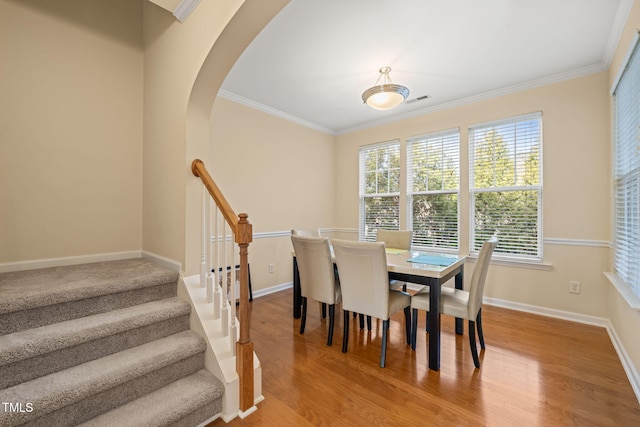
x=218, y=274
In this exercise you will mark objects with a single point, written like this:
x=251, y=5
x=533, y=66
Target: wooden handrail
x=199, y=170
x=243, y=231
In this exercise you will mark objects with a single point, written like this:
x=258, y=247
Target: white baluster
x=210, y=287
x=225, y=318
x=234, y=280
x=209, y=253
x=207, y=245
x=225, y=301
x=217, y=296
x=233, y=336
x=203, y=256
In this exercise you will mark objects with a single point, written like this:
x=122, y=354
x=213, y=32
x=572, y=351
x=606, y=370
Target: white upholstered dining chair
x=317, y=279
x=311, y=233
x=306, y=233
x=460, y=303
x=395, y=239
x=364, y=281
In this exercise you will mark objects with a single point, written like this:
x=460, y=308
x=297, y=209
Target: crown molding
x=520, y=87
x=272, y=111
x=616, y=30
x=612, y=43
x=184, y=9
x=532, y=84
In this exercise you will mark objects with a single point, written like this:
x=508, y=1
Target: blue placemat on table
x=433, y=260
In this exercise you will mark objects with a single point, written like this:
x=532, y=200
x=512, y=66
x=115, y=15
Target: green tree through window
x=506, y=187
x=433, y=189
x=379, y=189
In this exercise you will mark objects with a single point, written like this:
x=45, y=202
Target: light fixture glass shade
x=387, y=95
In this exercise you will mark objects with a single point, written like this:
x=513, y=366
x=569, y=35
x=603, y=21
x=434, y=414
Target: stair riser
x=45, y=364
x=41, y=316
x=106, y=400
x=200, y=415
x=186, y=402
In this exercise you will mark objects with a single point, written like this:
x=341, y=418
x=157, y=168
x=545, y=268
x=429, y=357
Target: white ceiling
x=313, y=61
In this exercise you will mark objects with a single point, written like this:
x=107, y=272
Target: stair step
x=82, y=392
x=32, y=353
x=33, y=298
x=189, y=401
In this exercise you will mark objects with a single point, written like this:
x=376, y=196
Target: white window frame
x=370, y=234
x=626, y=171
x=503, y=250
x=449, y=142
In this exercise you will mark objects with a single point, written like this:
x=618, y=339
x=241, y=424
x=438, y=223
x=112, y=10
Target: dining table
x=421, y=268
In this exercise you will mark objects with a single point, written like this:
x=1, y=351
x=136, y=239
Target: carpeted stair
x=101, y=344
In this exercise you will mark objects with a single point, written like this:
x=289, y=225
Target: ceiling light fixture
x=387, y=95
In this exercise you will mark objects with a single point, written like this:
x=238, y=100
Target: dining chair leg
x=324, y=310
x=407, y=323
x=303, y=317
x=345, y=331
x=414, y=328
x=361, y=316
x=472, y=343
x=479, y=327
x=383, y=351
x=332, y=316
x=369, y=323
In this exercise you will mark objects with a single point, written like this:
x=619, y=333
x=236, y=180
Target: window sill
x=632, y=299
x=535, y=265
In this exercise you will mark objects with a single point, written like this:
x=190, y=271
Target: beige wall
x=95, y=154
x=286, y=181
x=575, y=196
x=185, y=64
x=174, y=54
x=70, y=128
x=625, y=320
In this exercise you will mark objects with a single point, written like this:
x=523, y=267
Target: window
x=626, y=171
x=506, y=186
x=433, y=186
x=379, y=189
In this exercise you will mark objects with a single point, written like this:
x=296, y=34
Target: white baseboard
x=548, y=312
x=59, y=262
x=627, y=363
x=272, y=289
x=86, y=259
x=171, y=264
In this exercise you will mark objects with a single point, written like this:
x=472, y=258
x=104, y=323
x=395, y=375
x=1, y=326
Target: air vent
x=420, y=98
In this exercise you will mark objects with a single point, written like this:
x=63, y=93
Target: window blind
x=627, y=173
x=506, y=185
x=379, y=189
x=433, y=186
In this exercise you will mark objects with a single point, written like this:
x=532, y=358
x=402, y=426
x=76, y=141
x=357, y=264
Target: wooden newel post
x=244, y=346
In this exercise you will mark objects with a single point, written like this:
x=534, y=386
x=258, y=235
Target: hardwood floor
x=535, y=371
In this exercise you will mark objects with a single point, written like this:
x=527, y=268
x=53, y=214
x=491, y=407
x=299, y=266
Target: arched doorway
x=248, y=21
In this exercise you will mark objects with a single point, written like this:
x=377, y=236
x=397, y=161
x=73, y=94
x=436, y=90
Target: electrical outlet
x=574, y=287
x=272, y=268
